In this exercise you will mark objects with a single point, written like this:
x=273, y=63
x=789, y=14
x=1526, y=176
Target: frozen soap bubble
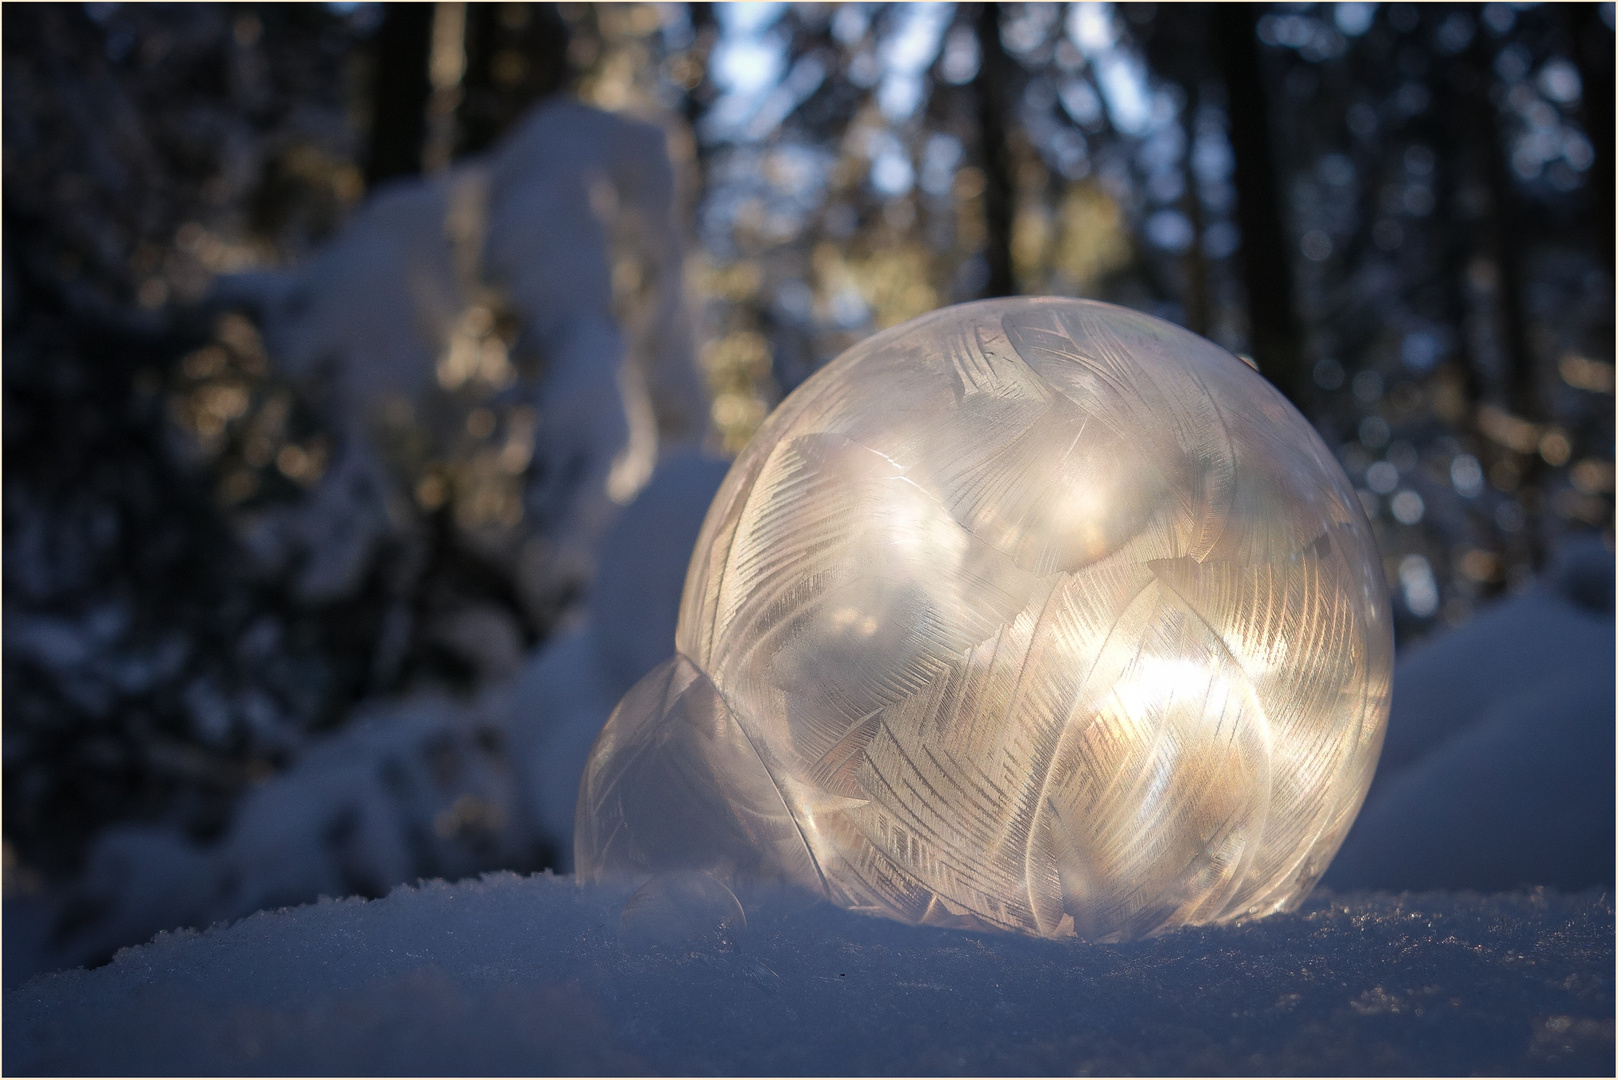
x=681, y=908
x=1035, y=614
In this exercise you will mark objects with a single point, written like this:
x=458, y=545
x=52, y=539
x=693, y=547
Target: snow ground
x=1498, y=767
x=527, y=975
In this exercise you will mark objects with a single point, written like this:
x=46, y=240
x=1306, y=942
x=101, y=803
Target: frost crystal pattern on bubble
x=1035, y=614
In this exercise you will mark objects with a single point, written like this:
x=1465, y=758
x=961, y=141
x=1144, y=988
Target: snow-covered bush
x=423, y=785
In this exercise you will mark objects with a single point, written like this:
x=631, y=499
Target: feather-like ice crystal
x=1036, y=614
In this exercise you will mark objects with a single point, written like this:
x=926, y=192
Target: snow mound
x=527, y=975
x=397, y=317
x=1498, y=767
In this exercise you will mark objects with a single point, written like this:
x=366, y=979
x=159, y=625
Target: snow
x=399, y=307
x=1498, y=767
x=528, y=975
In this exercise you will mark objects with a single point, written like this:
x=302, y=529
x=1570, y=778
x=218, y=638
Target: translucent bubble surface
x=1035, y=614
x=681, y=909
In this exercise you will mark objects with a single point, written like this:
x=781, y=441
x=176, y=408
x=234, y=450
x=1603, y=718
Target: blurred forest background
x=1402, y=213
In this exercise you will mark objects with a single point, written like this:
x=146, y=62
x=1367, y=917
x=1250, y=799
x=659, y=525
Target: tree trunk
x=1595, y=48
x=1265, y=258
x=399, y=92
x=1476, y=115
x=994, y=104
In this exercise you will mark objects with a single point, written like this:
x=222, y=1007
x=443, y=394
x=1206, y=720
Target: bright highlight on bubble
x=1033, y=614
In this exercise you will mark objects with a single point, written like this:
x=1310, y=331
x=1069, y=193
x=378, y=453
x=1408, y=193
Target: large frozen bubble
x=1036, y=614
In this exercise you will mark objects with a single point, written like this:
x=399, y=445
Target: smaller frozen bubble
x=682, y=909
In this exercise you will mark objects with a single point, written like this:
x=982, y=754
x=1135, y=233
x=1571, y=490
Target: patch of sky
x=1165, y=185
x=1081, y=102
x=1221, y=240
x=734, y=179
x=898, y=96
x=56, y=644
x=1499, y=18
x=1071, y=153
x=906, y=52
x=1039, y=96
x=1407, y=508
x=912, y=45
x=939, y=159
x=794, y=301
x=1544, y=137
x=1361, y=118
x=801, y=82
x=1576, y=150
x=1316, y=245
x=783, y=187
x=850, y=24
x=1169, y=230
x=1029, y=28
x=210, y=712
x=1163, y=150
x=1337, y=170
x=848, y=308
x=1354, y=19
x=1466, y=473
x=961, y=57
x=1367, y=386
x=1422, y=349
x=863, y=70
x=678, y=33
x=1090, y=27
x=1063, y=148
x=1120, y=74
x=1382, y=477
x=1122, y=78
x=1418, y=585
x=798, y=172
x=748, y=18
x=1559, y=80
x=1374, y=432
x=892, y=174
x=1513, y=62
x=1329, y=374
x=840, y=221
x=1454, y=33
x=1313, y=39
x=1403, y=17
x=747, y=64
x=1123, y=86
x=1160, y=157
x=1211, y=158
